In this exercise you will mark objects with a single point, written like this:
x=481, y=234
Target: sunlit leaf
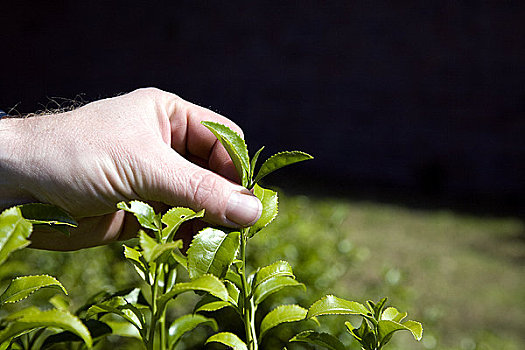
x=22, y=287
x=123, y=329
x=392, y=314
x=273, y=285
x=206, y=283
x=253, y=163
x=282, y=314
x=387, y=327
x=142, y=211
x=95, y=327
x=119, y=306
x=280, y=160
x=269, y=201
x=228, y=339
x=235, y=146
x=49, y=318
x=332, y=305
x=176, y=217
x=186, y=324
x=322, y=339
x=279, y=268
x=211, y=305
x=212, y=251
x=14, y=231
x=136, y=258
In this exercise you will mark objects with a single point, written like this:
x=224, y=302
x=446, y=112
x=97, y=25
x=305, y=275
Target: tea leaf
x=235, y=146
x=392, y=314
x=212, y=306
x=273, y=285
x=135, y=257
x=233, y=292
x=22, y=287
x=331, y=305
x=282, y=314
x=186, y=324
x=279, y=268
x=228, y=339
x=212, y=251
x=142, y=211
x=95, y=327
x=50, y=318
x=14, y=231
x=176, y=217
x=119, y=306
x=253, y=163
x=147, y=244
x=323, y=339
x=387, y=327
x=48, y=215
x=280, y=160
x=206, y=283
x=269, y=200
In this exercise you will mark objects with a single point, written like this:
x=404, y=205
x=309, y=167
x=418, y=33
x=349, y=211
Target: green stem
x=154, y=311
x=248, y=311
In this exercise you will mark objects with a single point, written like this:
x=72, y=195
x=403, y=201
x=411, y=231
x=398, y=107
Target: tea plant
x=216, y=265
x=24, y=329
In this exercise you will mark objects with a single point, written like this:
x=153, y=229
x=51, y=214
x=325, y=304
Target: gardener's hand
x=148, y=145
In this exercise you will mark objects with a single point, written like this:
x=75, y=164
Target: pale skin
x=148, y=145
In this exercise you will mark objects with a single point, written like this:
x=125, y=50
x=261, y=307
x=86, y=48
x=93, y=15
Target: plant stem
x=248, y=306
x=154, y=311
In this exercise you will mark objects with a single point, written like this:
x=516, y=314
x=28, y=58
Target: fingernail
x=243, y=209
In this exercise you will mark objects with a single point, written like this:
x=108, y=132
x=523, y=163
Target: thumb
x=181, y=183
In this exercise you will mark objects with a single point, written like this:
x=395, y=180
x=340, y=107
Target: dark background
x=417, y=103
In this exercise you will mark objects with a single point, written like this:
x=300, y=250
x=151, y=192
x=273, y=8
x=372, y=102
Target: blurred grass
x=462, y=276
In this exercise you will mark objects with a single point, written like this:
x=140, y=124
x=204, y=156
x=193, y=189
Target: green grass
x=462, y=276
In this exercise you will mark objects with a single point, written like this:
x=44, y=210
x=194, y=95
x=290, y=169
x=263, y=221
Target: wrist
x=12, y=150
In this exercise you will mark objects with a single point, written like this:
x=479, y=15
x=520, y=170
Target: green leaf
x=387, y=327
x=254, y=163
x=119, y=306
x=228, y=339
x=50, y=318
x=280, y=160
x=392, y=314
x=60, y=302
x=322, y=339
x=22, y=287
x=332, y=305
x=49, y=215
x=212, y=251
x=273, y=285
x=235, y=146
x=186, y=324
x=206, y=283
x=148, y=245
x=142, y=211
x=212, y=305
x=270, y=201
x=123, y=329
x=14, y=231
x=233, y=292
x=176, y=217
x=364, y=335
x=136, y=258
x=282, y=314
x=279, y=268
x=377, y=309
x=96, y=329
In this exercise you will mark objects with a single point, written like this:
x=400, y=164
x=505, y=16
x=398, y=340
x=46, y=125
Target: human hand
x=148, y=145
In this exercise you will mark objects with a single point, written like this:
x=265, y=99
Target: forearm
x=12, y=149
